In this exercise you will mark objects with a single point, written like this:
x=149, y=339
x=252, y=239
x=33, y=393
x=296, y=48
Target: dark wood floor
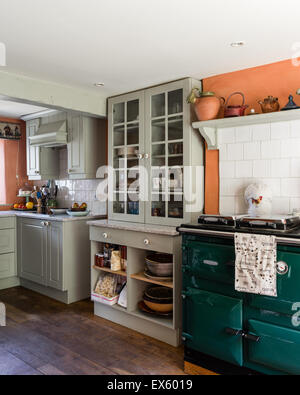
x=43, y=336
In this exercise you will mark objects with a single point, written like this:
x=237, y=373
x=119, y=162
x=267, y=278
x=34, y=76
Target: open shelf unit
x=106, y=269
x=166, y=329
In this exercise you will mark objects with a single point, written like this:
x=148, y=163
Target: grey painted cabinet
x=40, y=247
x=156, y=156
x=86, y=146
x=42, y=163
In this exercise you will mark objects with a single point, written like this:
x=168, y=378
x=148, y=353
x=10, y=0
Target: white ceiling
x=130, y=44
x=11, y=109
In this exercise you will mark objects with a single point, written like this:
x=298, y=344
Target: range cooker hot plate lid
x=277, y=222
x=219, y=220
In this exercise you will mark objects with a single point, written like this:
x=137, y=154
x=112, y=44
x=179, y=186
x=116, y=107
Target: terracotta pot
x=207, y=107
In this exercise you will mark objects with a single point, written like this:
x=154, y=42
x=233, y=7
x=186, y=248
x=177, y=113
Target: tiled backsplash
x=267, y=152
x=71, y=191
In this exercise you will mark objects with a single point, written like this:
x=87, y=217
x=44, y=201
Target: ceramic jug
x=207, y=106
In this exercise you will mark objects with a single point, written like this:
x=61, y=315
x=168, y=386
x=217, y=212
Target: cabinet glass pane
x=175, y=102
x=119, y=203
x=175, y=154
x=176, y=180
x=133, y=206
x=158, y=105
x=132, y=134
x=158, y=130
x=175, y=128
x=120, y=181
x=158, y=155
x=133, y=110
x=158, y=205
x=119, y=113
x=158, y=178
x=175, y=205
x=119, y=158
x=119, y=136
x=133, y=183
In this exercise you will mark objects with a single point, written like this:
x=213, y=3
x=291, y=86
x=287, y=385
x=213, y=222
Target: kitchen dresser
x=157, y=158
x=139, y=240
x=224, y=330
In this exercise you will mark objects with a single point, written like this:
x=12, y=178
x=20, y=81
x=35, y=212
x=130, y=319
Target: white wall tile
x=262, y=168
x=280, y=168
x=290, y=187
x=222, y=152
x=280, y=130
x=232, y=187
x=227, y=169
x=295, y=167
x=294, y=204
x=281, y=205
x=227, y=135
x=240, y=205
x=270, y=149
x=243, y=134
x=243, y=169
x=235, y=151
x=261, y=132
x=227, y=205
x=295, y=128
x=252, y=150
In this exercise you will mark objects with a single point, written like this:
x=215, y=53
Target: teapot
x=270, y=104
x=235, y=111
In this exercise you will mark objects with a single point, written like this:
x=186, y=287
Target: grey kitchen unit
x=8, y=252
x=157, y=158
x=53, y=257
x=139, y=239
x=85, y=145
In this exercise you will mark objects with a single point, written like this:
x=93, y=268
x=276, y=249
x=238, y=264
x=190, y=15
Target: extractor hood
x=52, y=134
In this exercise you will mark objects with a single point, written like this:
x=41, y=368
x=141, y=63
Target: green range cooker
x=231, y=332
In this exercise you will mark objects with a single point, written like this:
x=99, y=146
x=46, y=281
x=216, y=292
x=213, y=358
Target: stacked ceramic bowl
x=159, y=267
x=159, y=299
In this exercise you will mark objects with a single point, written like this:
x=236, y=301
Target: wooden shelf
x=141, y=276
x=209, y=129
x=106, y=269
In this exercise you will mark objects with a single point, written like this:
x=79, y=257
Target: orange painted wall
x=277, y=79
x=13, y=161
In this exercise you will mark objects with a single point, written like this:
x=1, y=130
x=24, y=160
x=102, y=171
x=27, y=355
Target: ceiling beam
x=51, y=95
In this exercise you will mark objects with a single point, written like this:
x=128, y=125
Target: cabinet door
x=76, y=159
x=33, y=153
x=277, y=347
x=208, y=319
x=54, y=255
x=126, y=157
x=167, y=147
x=32, y=242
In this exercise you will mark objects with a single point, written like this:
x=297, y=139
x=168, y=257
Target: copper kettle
x=235, y=111
x=270, y=104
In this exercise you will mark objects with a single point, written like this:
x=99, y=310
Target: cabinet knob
x=282, y=268
x=37, y=172
x=146, y=242
x=140, y=156
x=147, y=156
x=105, y=235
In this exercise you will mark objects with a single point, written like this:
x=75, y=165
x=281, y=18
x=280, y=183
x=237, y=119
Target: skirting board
x=194, y=370
x=9, y=282
x=162, y=333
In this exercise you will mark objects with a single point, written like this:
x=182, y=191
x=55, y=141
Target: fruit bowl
x=79, y=213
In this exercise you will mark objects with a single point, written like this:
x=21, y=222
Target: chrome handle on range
x=240, y=332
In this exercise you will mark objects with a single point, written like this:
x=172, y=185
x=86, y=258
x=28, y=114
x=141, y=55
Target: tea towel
x=255, y=264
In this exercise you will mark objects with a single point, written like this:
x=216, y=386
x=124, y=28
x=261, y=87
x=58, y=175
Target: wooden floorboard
x=46, y=337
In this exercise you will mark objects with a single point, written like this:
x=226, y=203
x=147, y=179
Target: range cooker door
x=276, y=347
x=213, y=325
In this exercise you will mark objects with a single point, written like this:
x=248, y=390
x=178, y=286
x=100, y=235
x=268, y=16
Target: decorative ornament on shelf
x=270, y=104
x=291, y=105
x=206, y=104
x=258, y=196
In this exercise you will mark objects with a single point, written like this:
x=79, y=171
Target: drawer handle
x=146, y=242
x=105, y=235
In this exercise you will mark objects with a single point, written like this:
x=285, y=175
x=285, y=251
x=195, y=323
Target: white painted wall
x=270, y=153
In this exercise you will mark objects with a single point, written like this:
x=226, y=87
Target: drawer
x=7, y=240
x=7, y=266
x=7, y=222
x=145, y=241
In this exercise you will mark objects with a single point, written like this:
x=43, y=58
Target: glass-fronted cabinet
x=126, y=142
x=156, y=156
